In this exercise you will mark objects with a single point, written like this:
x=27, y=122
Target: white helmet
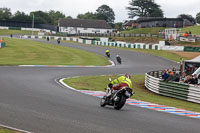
x=117, y=55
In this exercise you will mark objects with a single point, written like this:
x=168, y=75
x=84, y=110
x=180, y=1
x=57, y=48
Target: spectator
x=194, y=80
x=183, y=77
x=11, y=35
x=164, y=75
x=188, y=79
x=170, y=75
x=174, y=69
x=2, y=40
x=176, y=78
x=190, y=33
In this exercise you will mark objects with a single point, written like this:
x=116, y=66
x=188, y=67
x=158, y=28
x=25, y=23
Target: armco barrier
x=172, y=89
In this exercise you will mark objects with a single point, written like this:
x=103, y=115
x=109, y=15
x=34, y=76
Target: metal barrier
x=172, y=89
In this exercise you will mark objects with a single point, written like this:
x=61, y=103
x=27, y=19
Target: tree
x=41, y=17
x=5, y=13
x=21, y=17
x=118, y=26
x=144, y=8
x=106, y=13
x=88, y=15
x=188, y=17
x=198, y=17
x=54, y=16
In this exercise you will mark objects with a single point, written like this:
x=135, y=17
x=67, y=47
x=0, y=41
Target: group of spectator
x=176, y=76
x=186, y=34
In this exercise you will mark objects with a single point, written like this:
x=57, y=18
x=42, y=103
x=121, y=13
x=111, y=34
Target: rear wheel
x=103, y=101
x=120, y=104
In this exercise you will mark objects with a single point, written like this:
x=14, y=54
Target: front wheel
x=120, y=104
x=103, y=101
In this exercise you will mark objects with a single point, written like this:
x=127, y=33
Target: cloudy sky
x=171, y=8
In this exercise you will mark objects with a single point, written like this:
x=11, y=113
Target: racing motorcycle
x=108, y=54
x=118, y=98
x=119, y=60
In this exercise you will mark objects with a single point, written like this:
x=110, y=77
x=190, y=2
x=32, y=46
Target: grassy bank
x=153, y=31
x=19, y=52
x=100, y=82
x=20, y=32
x=194, y=29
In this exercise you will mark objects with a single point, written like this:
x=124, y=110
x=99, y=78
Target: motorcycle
x=119, y=60
x=58, y=41
x=117, y=98
x=108, y=54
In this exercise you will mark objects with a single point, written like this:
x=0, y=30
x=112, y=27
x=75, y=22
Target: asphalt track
x=31, y=99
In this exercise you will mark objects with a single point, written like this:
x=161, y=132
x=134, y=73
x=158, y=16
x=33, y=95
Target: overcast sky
x=171, y=8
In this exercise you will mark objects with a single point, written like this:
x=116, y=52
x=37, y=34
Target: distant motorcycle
x=118, y=58
x=108, y=54
x=58, y=41
x=117, y=98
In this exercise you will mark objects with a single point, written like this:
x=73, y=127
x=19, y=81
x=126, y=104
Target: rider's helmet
x=117, y=55
x=127, y=75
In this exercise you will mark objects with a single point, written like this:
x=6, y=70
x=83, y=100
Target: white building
x=75, y=26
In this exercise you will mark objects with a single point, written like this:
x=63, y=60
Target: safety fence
x=171, y=89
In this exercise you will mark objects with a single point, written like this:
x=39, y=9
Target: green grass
x=194, y=29
x=2, y=130
x=20, y=32
x=153, y=31
x=165, y=54
x=21, y=52
x=189, y=44
x=98, y=83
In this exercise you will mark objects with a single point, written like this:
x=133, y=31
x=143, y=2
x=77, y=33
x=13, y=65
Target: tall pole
x=32, y=24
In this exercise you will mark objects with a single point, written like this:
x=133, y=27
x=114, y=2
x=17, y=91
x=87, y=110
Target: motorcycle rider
x=118, y=58
x=107, y=52
x=122, y=81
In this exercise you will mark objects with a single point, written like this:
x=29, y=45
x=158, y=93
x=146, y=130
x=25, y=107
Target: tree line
x=51, y=17
x=136, y=8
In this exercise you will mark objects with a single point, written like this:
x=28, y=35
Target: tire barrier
x=171, y=89
x=104, y=42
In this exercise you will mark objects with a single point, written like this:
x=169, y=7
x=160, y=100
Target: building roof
x=129, y=23
x=149, y=19
x=85, y=23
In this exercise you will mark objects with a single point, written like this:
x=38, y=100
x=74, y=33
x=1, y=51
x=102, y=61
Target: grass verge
x=20, y=32
x=153, y=31
x=26, y=52
x=98, y=83
x=3, y=130
x=171, y=55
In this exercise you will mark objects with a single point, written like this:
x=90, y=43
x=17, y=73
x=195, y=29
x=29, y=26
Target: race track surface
x=32, y=100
